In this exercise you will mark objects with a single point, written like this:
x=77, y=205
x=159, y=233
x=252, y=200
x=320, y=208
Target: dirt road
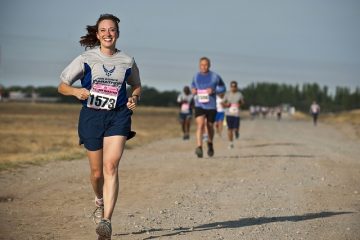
x=283, y=180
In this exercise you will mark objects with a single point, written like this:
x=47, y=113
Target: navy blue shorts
x=94, y=125
x=233, y=122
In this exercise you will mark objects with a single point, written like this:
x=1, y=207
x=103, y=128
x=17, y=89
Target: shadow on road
x=267, y=156
x=272, y=144
x=242, y=222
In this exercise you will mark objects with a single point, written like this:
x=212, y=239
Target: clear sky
x=284, y=41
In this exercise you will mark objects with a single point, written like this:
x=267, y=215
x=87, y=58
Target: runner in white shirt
x=315, y=110
x=186, y=102
x=220, y=113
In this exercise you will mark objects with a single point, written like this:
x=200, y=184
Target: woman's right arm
x=79, y=93
x=73, y=72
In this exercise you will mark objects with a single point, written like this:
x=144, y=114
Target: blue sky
x=280, y=41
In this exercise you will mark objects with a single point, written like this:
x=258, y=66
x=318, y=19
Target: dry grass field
x=35, y=133
x=348, y=122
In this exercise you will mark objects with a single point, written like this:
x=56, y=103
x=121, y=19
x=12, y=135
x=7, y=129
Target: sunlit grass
x=37, y=133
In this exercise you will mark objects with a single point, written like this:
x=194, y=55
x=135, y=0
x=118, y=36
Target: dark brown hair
x=206, y=59
x=90, y=40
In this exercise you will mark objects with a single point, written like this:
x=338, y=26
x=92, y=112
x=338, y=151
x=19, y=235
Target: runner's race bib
x=102, y=97
x=234, y=108
x=203, y=96
x=185, y=108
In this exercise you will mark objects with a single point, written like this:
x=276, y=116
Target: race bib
x=234, y=108
x=185, y=108
x=102, y=97
x=203, y=96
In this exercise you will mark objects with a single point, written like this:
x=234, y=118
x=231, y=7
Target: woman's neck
x=108, y=51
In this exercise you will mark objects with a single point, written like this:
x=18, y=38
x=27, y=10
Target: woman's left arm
x=135, y=97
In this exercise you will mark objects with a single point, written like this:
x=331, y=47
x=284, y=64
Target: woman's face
x=107, y=33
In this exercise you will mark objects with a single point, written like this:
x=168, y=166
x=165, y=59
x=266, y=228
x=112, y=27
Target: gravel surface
x=283, y=180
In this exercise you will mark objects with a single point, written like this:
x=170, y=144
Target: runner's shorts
x=210, y=114
x=233, y=122
x=184, y=116
x=94, y=125
x=220, y=116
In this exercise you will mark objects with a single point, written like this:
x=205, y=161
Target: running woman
x=105, y=118
x=233, y=100
x=315, y=110
x=204, y=86
x=185, y=100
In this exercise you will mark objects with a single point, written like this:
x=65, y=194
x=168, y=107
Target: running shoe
x=210, y=151
x=199, y=152
x=231, y=146
x=98, y=214
x=104, y=230
x=186, y=137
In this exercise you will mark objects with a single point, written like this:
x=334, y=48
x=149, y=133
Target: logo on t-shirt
x=108, y=72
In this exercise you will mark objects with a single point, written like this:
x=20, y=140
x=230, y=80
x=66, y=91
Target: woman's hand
x=81, y=93
x=132, y=103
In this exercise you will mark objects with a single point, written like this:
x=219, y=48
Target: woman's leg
x=96, y=174
x=112, y=152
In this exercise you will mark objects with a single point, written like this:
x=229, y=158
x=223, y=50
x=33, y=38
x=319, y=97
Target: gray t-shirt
x=186, y=101
x=234, y=99
x=108, y=74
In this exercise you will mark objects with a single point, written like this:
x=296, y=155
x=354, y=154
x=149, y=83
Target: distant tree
x=266, y=94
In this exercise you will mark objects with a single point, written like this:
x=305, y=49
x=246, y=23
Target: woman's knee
x=110, y=169
x=97, y=174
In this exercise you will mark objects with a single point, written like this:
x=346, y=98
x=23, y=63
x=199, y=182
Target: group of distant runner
x=211, y=103
x=213, y=106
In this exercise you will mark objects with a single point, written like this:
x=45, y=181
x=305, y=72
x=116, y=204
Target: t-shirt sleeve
x=134, y=78
x=241, y=96
x=220, y=82
x=179, y=98
x=193, y=84
x=73, y=72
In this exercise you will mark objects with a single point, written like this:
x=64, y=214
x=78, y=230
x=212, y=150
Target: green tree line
x=273, y=94
x=265, y=94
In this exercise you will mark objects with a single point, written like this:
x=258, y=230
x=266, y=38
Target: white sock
x=99, y=201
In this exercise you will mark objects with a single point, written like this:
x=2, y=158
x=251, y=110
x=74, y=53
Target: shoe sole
x=103, y=231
